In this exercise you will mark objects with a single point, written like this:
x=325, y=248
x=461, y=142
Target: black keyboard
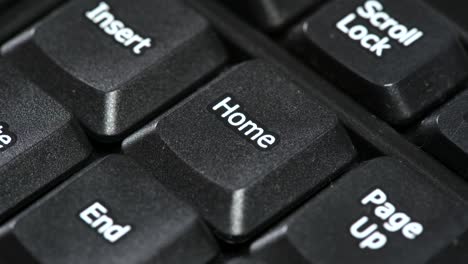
x=233, y=131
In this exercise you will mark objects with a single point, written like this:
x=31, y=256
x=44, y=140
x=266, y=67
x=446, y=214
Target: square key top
x=111, y=212
x=40, y=141
x=382, y=212
x=117, y=62
x=244, y=149
x=398, y=58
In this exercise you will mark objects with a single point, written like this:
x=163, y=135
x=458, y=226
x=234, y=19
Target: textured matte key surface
x=422, y=215
x=113, y=62
x=39, y=140
x=209, y=158
x=271, y=14
x=55, y=230
x=396, y=57
x=445, y=134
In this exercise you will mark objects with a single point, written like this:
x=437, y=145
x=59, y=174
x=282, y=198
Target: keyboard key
x=445, y=134
x=114, y=63
x=39, y=141
x=111, y=212
x=244, y=149
x=271, y=14
x=382, y=212
x=398, y=58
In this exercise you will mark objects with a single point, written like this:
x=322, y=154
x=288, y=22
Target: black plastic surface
x=46, y=140
x=111, y=86
x=161, y=228
x=377, y=136
x=217, y=161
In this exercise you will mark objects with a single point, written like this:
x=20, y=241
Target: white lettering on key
x=95, y=216
x=358, y=225
x=242, y=124
x=123, y=35
x=368, y=233
x=372, y=11
x=7, y=138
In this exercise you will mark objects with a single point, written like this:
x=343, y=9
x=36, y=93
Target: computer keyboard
x=233, y=131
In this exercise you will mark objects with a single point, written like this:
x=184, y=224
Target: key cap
x=398, y=58
x=382, y=212
x=111, y=212
x=252, y=141
x=445, y=134
x=271, y=15
x=39, y=141
x=114, y=63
